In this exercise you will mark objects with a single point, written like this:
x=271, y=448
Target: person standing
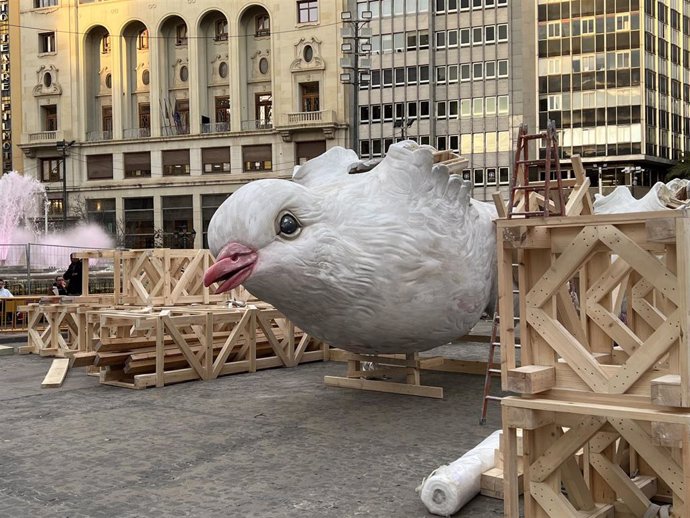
x=73, y=276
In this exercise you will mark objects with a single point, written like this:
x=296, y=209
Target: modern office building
x=456, y=74
x=157, y=111
x=613, y=74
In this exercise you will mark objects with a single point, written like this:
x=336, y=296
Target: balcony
x=43, y=136
x=215, y=127
x=172, y=131
x=253, y=125
x=299, y=121
x=130, y=133
x=99, y=136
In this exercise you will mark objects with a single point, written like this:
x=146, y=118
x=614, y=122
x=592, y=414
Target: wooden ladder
x=522, y=203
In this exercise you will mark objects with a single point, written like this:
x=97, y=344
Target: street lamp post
x=355, y=73
x=63, y=146
x=600, y=167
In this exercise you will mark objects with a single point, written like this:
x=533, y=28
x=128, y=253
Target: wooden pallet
x=626, y=336
x=616, y=443
x=383, y=375
x=186, y=343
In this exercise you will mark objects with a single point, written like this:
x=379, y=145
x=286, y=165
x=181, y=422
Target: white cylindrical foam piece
x=451, y=486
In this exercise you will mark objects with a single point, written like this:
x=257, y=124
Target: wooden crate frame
x=172, y=326
x=555, y=431
x=642, y=256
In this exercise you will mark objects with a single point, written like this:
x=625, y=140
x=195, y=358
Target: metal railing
x=215, y=127
x=137, y=132
x=30, y=269
x=171, y=131
x=251, y=125
x=97, y=136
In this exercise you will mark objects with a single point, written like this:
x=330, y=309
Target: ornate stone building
x=160, y=110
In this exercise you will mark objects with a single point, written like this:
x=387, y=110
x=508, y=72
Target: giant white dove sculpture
x=395, y=260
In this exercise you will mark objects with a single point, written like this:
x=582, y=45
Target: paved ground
x=276, y=443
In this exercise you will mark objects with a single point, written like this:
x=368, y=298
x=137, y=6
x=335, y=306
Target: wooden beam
x=57, y=373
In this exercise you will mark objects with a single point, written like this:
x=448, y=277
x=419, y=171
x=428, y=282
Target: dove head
x=254, y=228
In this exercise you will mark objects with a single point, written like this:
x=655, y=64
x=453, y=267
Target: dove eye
x=288, y=225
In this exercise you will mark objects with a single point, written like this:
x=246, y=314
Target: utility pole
x=355, y=72
x=63, y=146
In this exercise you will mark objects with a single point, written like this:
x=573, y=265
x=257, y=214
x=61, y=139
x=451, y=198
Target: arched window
x=263, y=25
x=221, y=30
x=105, y=44
x=143, y=40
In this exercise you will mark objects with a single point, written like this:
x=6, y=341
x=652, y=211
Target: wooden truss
x=603, y=306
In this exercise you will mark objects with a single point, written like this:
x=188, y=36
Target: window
x=221, y=29
x=490, y=69
x=145, y=116
x=477, y=36
x=411, y=75
x=46, y=42
x=51, y=170
x=452, y=74
x=491, y=142
x=464, y=37
x=440, y=40
x=465, y=108
x=387, y=112
x=503, y=176
x=477, y=106
x=363, y=114
x=49, y=116
x=441, y=110
x=99, y=167
x=465, y=72
x=143, y=40
x=454, y=143
x=453, y=109
x=178, y=221
x=264, y=110
x=452, y=38
x=623, y=22
x=105, y=44
x=502, y=32
x=489, y=34
x=388, y=77
x=490, y=106
x=138, y=222
x=307, y=11
x=423, y=109
x=424, y=74
x=623, y=59
x=502, y=68
x=102, y=212
x=44, y=3
x=554, y=102
x=215, y=159
x=477, y=71
x=440, y=74
x=441, y=143
x=222, y=111
x=477, y=4
x=263, y=25
x=257, y=158
x=553, y=29
x=587, y=26
x=310, y=96
x=137, y=165
x=209, y=206
x=478, y=175
x=181, y=35
x=502, y=104
x=399, y=76
x=176, y=162
x=376, y=113
x=412, y=110
x=107, y=121
x=491, y=176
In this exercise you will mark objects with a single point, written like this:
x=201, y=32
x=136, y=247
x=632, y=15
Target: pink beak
x=233, y=266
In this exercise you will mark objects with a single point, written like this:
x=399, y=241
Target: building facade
x=456, y=74
x=158, y=111
x=11, y=157
x=614, y=76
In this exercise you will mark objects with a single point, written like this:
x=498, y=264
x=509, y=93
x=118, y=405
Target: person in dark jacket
x=73, y=276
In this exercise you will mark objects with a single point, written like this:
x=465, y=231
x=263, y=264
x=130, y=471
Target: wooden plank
x=57, y=373
x=683, y=256
x=621, y=483
x=511, y=488
x=384, y=386
x=531, y=379
x=6, y=350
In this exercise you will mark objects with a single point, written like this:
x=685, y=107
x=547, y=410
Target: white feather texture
x=398, y=259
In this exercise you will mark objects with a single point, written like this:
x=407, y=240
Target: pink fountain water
x=22, y=209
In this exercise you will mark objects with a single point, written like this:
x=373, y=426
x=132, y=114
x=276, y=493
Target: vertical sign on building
x=5, y=105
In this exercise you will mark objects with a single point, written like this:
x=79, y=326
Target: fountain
x=23, y=205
